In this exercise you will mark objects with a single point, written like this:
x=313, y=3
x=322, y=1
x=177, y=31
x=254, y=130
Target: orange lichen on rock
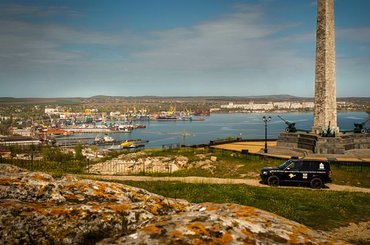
x=177, y=234
x=216, y=227
x=268, y=224
x=242, y=211
x=9, y=181
x=41, y=177
x=154, y=209
x=226, y=238
x=152, y=229
x=250, y=236
x=119, y=207
x=35, y=208
x=58, y=211
x=198, y=228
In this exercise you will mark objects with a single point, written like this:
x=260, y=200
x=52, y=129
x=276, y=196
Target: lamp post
x=265, y=120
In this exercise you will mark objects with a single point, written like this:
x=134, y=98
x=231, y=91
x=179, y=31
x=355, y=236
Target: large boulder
x=36, y=208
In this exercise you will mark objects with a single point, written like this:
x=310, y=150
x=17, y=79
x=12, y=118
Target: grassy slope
x=318, y=209
x=234, y=165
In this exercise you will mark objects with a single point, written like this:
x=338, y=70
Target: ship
x=133, y=143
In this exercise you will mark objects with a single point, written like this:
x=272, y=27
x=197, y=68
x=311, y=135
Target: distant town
x=42, y=120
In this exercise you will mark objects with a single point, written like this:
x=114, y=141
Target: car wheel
x=273, y=180
x=316, y=183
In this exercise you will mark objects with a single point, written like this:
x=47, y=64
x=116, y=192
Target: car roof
x=308, y=160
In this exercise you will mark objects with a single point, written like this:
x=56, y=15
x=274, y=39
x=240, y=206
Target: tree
x=55, y=154
x=78, y=152
x=95, y=149
x=5, y=127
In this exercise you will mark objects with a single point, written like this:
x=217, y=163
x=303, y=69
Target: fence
x=57, y=168
x=113, y=166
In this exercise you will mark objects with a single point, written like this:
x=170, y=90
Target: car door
x=293, y=173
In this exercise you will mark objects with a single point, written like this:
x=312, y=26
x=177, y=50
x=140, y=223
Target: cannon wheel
x=287, y=130
x=363, y=131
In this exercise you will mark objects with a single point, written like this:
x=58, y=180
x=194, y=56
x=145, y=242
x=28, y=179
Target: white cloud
x=12, y=10
x=237, y=54
x=239, y=41
x=358, y=34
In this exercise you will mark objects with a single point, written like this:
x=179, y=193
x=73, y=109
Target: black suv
x=315, y=173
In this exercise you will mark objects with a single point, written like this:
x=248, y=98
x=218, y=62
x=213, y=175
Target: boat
x=139, y=126
x=99, y=140
x=104, y=140
x=125, y=128
x=108, y=139
x=115, y=147
x=144, y=118
x=133, y=143
x=166, y=118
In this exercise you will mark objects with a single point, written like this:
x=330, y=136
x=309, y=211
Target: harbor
x=216, y=126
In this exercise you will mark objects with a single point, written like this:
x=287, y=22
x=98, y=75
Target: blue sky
x=176, y=47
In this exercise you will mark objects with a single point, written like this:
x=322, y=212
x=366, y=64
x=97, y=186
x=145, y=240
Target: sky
x=83, y=48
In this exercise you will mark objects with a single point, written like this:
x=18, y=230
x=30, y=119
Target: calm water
x=248, y=126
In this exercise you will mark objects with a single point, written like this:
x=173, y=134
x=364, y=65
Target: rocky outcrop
x=36, y=208
x=134, y=163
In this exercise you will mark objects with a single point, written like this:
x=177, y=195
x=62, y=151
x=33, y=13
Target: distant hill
x=103, y=98
x=65, y=101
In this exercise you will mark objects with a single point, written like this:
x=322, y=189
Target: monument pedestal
x=324, y=145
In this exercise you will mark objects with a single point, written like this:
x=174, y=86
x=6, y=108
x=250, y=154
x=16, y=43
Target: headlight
x=264, y=172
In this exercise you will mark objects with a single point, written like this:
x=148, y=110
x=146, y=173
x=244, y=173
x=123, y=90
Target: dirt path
x=206, y=180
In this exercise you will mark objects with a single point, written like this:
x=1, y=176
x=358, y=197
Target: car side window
x=314, y=166
x=306, y=166
x=295, y=166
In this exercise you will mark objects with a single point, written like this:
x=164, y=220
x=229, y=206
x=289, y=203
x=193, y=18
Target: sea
x=221, y=126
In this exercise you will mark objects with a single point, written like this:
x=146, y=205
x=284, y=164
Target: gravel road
x=206, y=180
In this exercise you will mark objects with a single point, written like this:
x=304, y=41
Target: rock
x=134, y=163
x=357, y=233
x=73, y=210
x=38, y=209
x=210, y=223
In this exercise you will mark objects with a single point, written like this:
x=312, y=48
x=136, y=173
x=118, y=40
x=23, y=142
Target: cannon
x=291, y=126
x=360, y=127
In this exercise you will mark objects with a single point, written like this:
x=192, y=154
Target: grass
x=56, y=169
x=323, y=210
x=354, y=176
x=235, y=165
x=318, y=209
x=228, y=165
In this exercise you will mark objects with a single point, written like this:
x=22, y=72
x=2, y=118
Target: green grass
x=56, y=169
x=321, y=210
x=234, y=165
x=228, y=165
x=354, y=176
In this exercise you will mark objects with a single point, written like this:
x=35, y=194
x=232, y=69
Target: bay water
x=220, y=126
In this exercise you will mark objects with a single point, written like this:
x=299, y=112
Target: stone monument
x=325, y=112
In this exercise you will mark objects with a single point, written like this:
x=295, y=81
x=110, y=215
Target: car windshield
x=285, y=164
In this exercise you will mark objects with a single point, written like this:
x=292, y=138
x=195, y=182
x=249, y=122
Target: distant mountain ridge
x=280, y=97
